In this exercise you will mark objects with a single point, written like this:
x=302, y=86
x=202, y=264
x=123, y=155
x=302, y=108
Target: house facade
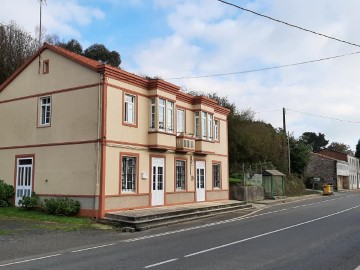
x=347, y=169
x=74, y=127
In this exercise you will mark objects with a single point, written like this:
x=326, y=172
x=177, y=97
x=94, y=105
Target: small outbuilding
x=274, y=184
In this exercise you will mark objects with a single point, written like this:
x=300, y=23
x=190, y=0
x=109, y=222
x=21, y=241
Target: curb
x=288, y=200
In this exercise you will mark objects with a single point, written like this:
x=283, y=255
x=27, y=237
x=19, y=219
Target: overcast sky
x=180, y=38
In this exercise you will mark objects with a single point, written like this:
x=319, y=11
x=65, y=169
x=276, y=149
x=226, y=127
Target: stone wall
x=321, y=166
x=246, y=193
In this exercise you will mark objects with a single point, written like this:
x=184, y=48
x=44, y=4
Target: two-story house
x=71, y=126
x=351, y=167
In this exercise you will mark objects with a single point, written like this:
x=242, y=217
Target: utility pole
x=40, y=31
x=287, y=140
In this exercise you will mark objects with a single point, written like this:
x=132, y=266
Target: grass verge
x=44, y=220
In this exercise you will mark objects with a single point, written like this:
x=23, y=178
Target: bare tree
x=16, y=46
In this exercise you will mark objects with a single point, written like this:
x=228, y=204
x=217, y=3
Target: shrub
x=61, y=206
x=29, y=202
x=6, y=194
x=294, y=185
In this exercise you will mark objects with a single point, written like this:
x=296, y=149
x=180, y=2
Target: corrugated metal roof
x=273, y=172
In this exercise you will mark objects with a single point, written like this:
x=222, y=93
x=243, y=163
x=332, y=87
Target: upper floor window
x=204, y=125
x=152, y=116
x=45, y=111
x=129, y=111
x=180, y=127
x=197, y=124
x=170, y=116
x=210, y=127
x=162, y=115
x=46, y=67
x=216, y=129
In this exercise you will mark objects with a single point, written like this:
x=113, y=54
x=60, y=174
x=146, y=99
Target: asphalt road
x=321, y=233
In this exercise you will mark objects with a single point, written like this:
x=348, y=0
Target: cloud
x=208, y=37
x=62, y=17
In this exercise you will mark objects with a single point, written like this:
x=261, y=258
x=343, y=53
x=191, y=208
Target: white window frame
x=129, y=110
x=180, y=171
x=162, y=114
x=197, y=125
x=210, y=127
x=216, y=129
x=128, y=180
x=45, y=111
x=170, y=116
x=153, y=114
x=180, y=121
x=203, y=125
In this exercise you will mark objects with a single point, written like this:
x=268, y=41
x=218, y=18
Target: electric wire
x=325, y=117
x=263, y=69
x=289, y=24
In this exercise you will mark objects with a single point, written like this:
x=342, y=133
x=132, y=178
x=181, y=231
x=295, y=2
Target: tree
x=357, y=152
x=299, y=155
x=72, y=45
x=96, y=52
x=100, y=53
x=16, y=46
x=340, y=147
x=317, y=142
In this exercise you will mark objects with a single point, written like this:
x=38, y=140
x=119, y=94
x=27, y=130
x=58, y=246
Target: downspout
x=98, y=146
x=103, y=147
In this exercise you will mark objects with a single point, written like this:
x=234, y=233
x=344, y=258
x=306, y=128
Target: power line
x=289, y=24
x=326, y=117
x=263, y=69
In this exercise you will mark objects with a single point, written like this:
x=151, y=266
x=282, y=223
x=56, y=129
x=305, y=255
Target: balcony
x=162, y=141
x=203, y=147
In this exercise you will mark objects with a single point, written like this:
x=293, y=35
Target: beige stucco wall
x=61, y=170
x=180, y=197
x=74, y=118
x=217, y=195
x=126, y=202
x=63, y=74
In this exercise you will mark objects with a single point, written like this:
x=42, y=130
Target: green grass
x=46, y=221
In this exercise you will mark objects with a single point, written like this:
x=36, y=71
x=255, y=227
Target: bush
x=294, y=186
x=61, y=206
x=6, y=194
x=29, y=202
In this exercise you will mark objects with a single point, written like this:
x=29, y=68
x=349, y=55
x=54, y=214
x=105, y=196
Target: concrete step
x=167, y=218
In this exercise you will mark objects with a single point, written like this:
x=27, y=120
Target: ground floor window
x=128, y=177
x=216, y=175
x=180, y=174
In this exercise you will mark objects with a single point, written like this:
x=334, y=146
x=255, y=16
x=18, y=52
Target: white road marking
x=84, y=249
x=160, y=263
x=268, y=233
x=247, y=216
x=30, y=260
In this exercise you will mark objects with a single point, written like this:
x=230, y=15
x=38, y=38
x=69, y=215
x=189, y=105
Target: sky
x=187, y=38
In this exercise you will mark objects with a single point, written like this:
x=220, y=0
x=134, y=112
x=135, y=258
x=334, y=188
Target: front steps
x=161, y=216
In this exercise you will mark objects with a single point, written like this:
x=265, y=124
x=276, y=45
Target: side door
x=24, y=175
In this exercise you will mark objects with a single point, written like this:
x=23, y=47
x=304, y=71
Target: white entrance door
x=24, y=173
x=200, y=181
x=157, y=182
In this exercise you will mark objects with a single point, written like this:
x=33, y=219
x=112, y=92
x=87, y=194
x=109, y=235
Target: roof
x=273, y=173
x=120, y=75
